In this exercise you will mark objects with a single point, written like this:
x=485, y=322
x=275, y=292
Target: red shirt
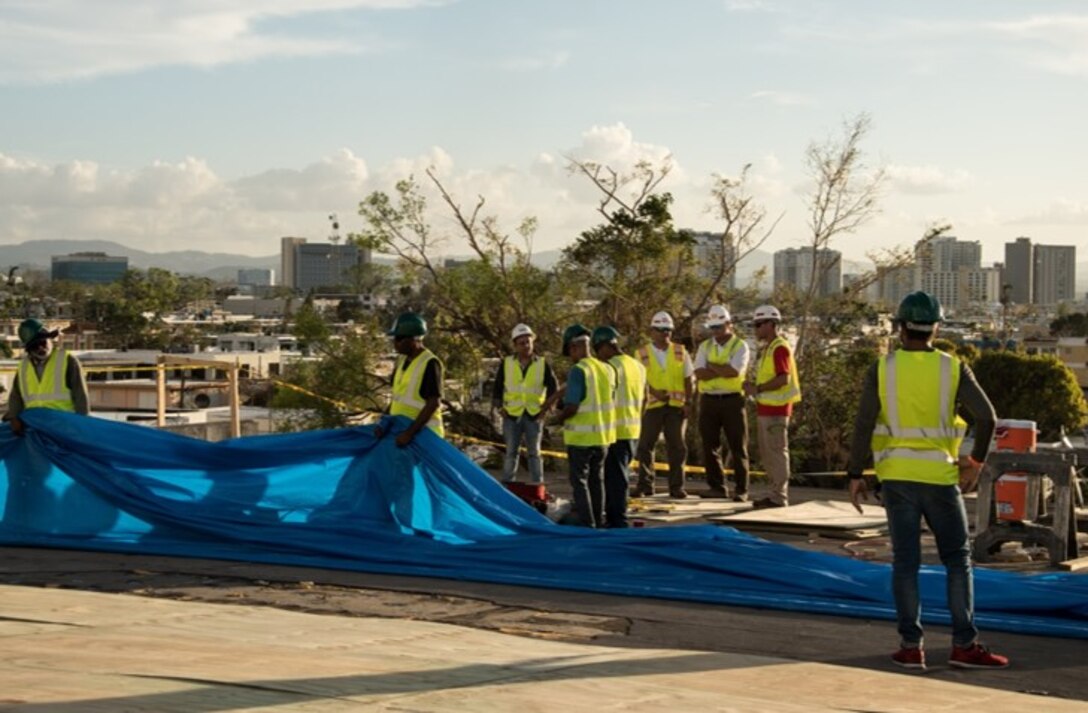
x=781, y=366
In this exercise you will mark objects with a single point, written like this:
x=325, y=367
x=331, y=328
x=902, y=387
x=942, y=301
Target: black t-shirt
x=430, y=386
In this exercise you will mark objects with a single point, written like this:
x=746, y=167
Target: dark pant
x=907, y=503
x=724, y=414
x=616, y=464
x=672, y=421
x=587, y=483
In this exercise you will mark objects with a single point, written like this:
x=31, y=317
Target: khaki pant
x=774, y=454
x=671, y=421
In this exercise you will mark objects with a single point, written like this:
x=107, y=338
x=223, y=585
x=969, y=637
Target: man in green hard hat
x=627, y=419
x=417, y=379
x=47, y=377
x=908, y=418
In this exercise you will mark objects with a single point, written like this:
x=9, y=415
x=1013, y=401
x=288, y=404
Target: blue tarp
x=346, y=500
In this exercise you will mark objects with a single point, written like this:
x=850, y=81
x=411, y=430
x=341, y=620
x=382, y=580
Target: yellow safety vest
x=523, y=391
x=630, y=389
x=721, y=355
x=918, y=432
x=406, y=383
x=51, y=391
x=669, y=378
x=790, y=393
x=592, y=424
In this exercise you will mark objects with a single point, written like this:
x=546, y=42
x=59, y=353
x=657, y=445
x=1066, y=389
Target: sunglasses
x=762, y=322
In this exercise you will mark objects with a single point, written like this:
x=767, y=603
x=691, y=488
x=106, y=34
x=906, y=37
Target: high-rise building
x=1019, y=271
x=711, y=252
x=794, y=266
x=325, y=266
x=1054, y=274
x=287, y=260
x=895, y=284
x=91, y=268
x=949, y=269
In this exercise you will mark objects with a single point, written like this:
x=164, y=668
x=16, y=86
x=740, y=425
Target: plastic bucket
x=1011, y=495
x=1015, y=435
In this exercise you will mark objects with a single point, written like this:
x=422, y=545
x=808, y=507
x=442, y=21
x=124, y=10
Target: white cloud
x=781, y=98
x=1058, y=43
x=927, y=180
x=1060, y=212
x=50, y=40
x=749, y=6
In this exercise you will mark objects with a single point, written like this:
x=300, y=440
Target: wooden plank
x=1077, y=565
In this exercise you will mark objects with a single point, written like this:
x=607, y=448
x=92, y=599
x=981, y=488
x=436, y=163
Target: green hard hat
x=574, y=331
x=603, y=335
x=920, y=311
x=31, y=329
x=408, y=324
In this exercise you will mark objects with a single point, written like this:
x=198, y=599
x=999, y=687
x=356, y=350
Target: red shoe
x=976, y=656
x=910, y=657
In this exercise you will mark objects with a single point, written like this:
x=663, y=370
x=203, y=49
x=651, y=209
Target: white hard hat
x=662, y=320
x=717, y=316
x=521, y=330
x=765, y=312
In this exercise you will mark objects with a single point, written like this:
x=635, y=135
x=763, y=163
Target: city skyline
x=228, y=129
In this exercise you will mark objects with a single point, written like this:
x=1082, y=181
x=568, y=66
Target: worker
x=668, y=395
x=908, y=420
x=47, y=377
x=721, y=363
x=417, y=379
x=627, y=416
x=523, y=383
x=588, y=429
x=775, y=389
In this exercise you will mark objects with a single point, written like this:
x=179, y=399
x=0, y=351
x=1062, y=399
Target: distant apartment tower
x=1020, y=271
x=794, y=266
x=951, y=270
x=711, y=252
x=257, y=277
x=89, y=268
x=287, y=260
x=1054, y=274
x=895, y=284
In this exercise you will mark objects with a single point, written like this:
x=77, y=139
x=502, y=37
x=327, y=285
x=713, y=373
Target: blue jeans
x=942, y=507
x=617, y=463
x=513, y=429
x=587, y=483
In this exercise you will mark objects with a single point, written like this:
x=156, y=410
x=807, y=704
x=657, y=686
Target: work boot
x=678, y=494
x=740, y=497
x=764, y=503
x=640, y=493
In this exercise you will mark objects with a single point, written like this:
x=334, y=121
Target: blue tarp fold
x=346, y=500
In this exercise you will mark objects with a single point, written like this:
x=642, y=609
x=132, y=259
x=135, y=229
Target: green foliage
x=1070, y=325
x=1037, y=388
x=344, y=371
x=823, y=422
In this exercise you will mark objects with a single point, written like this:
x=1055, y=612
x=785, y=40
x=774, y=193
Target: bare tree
x=845, y=195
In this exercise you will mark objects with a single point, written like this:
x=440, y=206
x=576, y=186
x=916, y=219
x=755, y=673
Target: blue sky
x=223, y=125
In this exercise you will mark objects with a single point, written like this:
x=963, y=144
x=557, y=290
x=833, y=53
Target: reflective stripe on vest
x=592, y=424
x=406, y=382
x=630, y=388
x=790, y=393
x=51, y=391
x=523, y=391
x=669, y=378
x=722, y=355
x=918, y=432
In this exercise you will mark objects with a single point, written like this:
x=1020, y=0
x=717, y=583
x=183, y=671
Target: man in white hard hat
x=668, y=397
x=721, y=363
x=524, y=383
x=776, y=389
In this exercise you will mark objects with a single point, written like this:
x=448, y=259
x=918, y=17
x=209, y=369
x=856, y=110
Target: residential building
x=794, y=267
x=1054, y=274
x=711, y=252
x=89, y=268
